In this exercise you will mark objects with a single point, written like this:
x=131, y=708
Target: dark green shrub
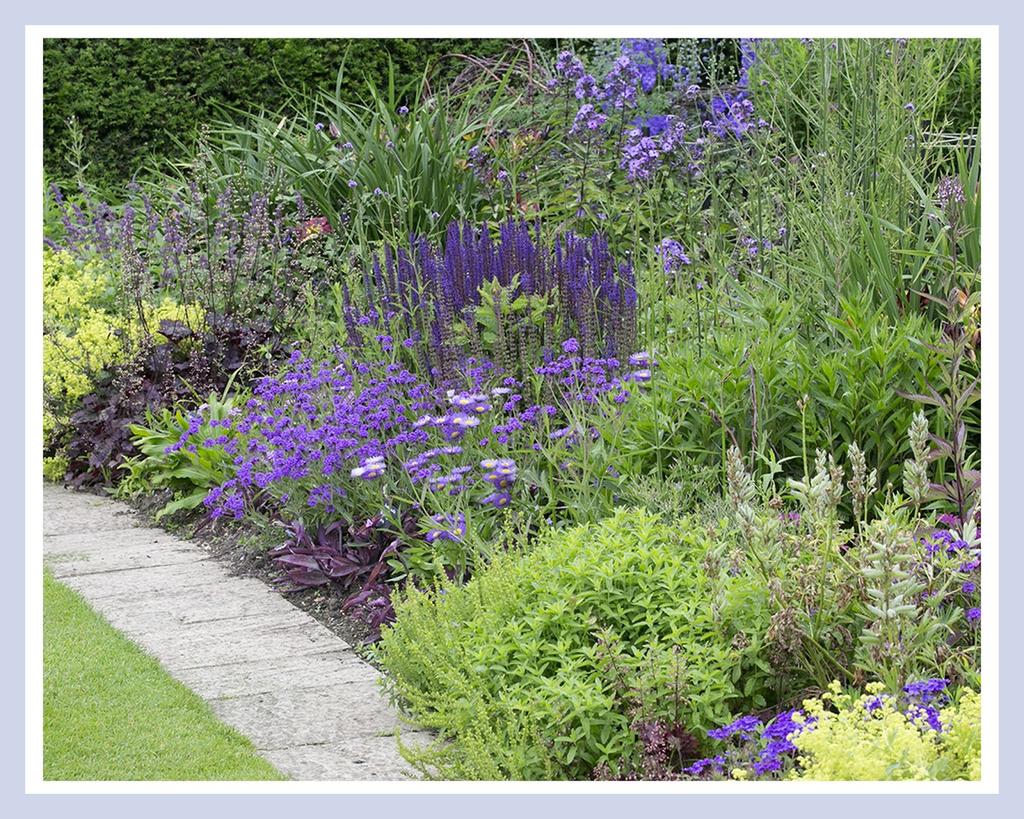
x=133, y=97
x=539, y=666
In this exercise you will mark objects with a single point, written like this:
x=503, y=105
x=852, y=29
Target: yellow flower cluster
x=80, y=332
x=869, y=738
x=83, y=335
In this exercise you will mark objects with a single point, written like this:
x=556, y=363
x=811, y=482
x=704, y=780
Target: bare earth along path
x=309, y=704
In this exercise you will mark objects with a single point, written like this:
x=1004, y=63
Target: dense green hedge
x=130, y=95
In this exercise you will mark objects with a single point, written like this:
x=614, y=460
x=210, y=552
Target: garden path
x=309, y=704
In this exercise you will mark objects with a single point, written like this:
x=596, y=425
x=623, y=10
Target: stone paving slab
x=330, y=668
x=191, y=605
x=148, y=580
x=177, y=651
x=89, y=514
x=311, y=706
x=129, y=557
x=365, y=759
x=309, y=716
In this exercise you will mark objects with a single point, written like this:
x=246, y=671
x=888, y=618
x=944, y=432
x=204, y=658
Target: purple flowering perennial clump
x=950, y=560
x=765, y=748
x=448, y=527
x=651, y=62
x=644, y=153
x=673, y=255
x=432, y=292
x=327, y=436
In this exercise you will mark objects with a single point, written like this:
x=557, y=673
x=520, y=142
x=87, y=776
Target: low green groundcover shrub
x=542, y=664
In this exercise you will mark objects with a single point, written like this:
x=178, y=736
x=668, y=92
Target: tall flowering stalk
x=513, y=294
x=231, y=253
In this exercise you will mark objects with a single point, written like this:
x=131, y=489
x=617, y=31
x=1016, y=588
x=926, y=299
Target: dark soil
x=243, y=548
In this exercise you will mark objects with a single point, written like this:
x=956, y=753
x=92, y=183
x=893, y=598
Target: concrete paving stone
x=331, y=714
x=323, y=670
x=67, y=511
x=130, y=557
x=99, y=585
x=297, y=690
x=193, y=598
x=96, y=541
x=195, y=606
x=369, y=758
x=172, y=629
x=254, y=644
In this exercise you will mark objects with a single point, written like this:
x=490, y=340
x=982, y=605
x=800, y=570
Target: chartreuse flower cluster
x=79, y=338
x=871, y=737
x=918, y=735
x=84, y=336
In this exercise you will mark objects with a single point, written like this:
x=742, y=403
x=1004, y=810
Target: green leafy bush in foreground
x=539, y=666
x=189, y=471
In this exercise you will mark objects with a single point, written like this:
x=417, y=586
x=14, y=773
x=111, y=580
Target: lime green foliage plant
x=86, y=332
x=870, y=738
x=543, y=661
x=80, y=341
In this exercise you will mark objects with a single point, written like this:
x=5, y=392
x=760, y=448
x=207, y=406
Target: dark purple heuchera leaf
x=174, y=330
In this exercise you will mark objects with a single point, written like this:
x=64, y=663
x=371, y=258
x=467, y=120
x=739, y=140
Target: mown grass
x=110, y=712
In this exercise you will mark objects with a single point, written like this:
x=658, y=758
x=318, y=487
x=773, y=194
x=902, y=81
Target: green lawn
x=111, y=712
